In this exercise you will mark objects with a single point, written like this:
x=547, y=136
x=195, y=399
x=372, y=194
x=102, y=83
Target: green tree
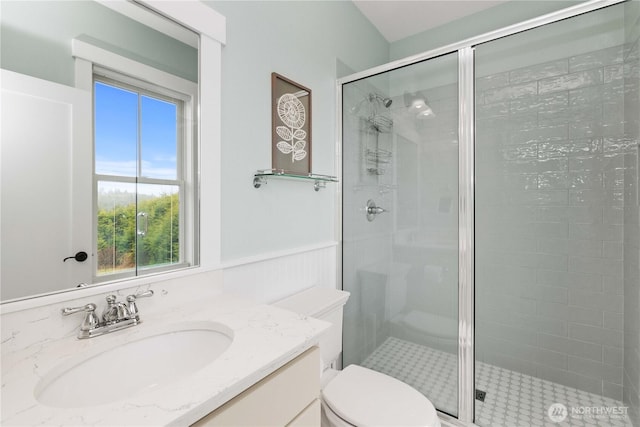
x=121, y=248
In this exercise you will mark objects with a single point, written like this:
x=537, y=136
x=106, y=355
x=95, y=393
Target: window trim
x=186, y=178
x=91, y=59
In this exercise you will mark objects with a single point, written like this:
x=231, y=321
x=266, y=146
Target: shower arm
x=372, y=97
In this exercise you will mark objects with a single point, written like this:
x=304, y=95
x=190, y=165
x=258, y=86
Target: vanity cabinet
x=286, y=397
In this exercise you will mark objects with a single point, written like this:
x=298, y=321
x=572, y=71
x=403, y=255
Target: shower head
x=385, y=101
x=372, y=98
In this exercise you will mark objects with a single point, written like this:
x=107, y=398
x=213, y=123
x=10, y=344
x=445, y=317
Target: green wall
x=35, y=39
x=308, y=42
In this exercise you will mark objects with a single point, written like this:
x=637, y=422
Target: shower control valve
x=372, y=210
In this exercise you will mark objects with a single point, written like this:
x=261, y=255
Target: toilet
x=357, y=396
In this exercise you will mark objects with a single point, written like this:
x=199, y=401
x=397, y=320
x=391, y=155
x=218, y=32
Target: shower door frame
x=466, y=182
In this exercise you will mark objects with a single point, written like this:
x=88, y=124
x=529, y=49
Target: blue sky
x=116, y=133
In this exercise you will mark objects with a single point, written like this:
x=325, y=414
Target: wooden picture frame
x=291, y=126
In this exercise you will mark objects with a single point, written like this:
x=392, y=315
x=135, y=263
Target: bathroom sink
x=141, y=365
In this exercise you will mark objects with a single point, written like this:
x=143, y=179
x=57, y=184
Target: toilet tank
x=324, y=304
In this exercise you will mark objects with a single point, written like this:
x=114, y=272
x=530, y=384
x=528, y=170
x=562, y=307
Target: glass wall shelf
x=319, y=181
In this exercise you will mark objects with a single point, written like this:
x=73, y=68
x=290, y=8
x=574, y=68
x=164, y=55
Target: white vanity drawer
x=309, y=417
x=283, y=397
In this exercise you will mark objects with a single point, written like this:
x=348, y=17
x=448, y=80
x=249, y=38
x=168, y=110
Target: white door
x=46, y=188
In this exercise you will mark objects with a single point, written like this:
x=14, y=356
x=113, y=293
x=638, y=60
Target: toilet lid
x=364, y=398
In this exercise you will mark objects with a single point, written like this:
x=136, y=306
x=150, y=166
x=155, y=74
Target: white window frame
x=93, y=60
x=186, y=174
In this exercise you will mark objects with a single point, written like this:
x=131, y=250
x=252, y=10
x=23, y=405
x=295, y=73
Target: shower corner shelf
x=319, y=181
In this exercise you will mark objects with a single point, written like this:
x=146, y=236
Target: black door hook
x=80, y=257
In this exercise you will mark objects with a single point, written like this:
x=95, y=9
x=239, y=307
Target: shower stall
x=490, y=227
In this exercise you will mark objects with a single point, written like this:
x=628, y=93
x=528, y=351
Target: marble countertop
x=265, y=338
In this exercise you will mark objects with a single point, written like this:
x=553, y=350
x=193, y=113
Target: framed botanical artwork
x=291, y=126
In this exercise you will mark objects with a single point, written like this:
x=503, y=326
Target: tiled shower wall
x=631, y=264
x=549, y=220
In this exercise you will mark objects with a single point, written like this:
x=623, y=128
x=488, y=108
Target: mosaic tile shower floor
x=512, y=400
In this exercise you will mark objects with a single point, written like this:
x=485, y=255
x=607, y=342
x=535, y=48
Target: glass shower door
x=400, y=226
x=550, y=169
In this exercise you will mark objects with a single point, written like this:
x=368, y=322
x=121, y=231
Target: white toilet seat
x=330, y=419
x=362, y=397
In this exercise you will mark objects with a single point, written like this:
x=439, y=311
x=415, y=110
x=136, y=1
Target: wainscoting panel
x=276, y=275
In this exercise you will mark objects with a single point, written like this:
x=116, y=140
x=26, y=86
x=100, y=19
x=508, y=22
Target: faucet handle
x=90, y=320
x=131, y=302
x=144, y=294
x=70, y=310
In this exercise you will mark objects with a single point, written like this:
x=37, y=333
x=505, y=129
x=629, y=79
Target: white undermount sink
x=137, y=366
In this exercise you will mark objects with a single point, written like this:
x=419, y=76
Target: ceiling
x=397, y=19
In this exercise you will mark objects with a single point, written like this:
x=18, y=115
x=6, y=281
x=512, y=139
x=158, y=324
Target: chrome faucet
x=116, y=316
x=115, y=311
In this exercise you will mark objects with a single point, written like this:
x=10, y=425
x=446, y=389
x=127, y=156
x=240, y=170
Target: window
x=144, y=158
